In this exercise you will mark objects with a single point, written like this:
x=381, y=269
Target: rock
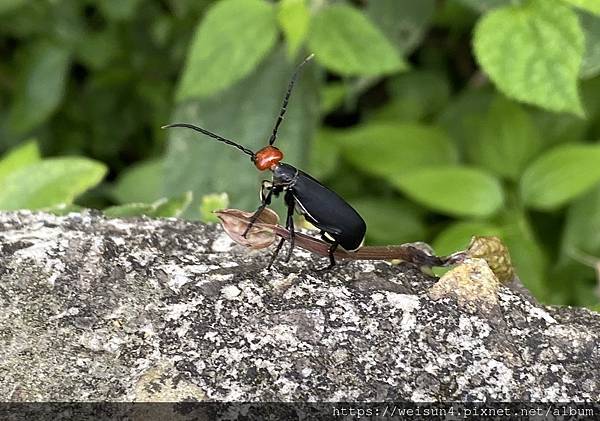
x=473, y=284
x=164, y=309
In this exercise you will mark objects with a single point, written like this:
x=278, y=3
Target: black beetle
x=339, y=223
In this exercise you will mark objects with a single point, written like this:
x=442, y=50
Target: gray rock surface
x=164, y=310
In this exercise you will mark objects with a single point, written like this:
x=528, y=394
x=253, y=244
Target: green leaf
x=533, y=53
x=294, y=18
x=346, y=42
x=508, y=139
x=416, y=95
x=404, y=22
x=98, y=49
x=173, y=207
x=463, y=118
x=65, y=23
x=140, y=183
x=24, y=19
x=118, y=9
x=560, y=175
x=591, y=98
x=556, y=128
x=456, y=236
x=210, y=203
x=9, y=5
x=387, y=149
x=333, y=95
x=19, y=157
x=459, y=191
x=455, y=16
x=595, y=307
x=63, y=209
x=592, y=6
x=527, y=254
x=245, y=113
x=484, y=5
x=324, y=153
x=49, y=182
x=572, y=282
x=582, y=226
x=161, y=208
x=591, y=59
x=41, y=88
x=390, y=221
x=234, y=37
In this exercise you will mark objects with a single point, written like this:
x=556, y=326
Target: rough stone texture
x=155, y=310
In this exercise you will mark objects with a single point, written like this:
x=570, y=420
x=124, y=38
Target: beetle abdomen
x=329, y=212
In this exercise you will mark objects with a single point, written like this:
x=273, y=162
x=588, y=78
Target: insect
x=338, y=222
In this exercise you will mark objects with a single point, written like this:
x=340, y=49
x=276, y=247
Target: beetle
x=339, y=223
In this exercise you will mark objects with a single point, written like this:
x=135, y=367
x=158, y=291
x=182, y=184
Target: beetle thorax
x=267, y=158
x=284, y=175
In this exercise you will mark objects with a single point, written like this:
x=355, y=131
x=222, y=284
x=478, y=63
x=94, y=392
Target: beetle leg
x=289, y=222
x=267, y=186
x=332, y=248
x=289, y=225
x=265, y=201
x=275, y=253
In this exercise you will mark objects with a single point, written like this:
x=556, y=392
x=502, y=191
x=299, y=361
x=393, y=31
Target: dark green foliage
x=437, y=120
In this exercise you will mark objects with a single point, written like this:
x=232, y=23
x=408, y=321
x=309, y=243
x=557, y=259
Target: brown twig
x=234, y=220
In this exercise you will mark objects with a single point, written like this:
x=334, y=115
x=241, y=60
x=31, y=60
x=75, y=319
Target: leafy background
x=438, y=119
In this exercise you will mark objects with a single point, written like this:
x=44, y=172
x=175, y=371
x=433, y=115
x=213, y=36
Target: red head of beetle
x=267, y=158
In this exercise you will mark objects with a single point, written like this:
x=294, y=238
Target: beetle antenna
x=213, y=135
x=287, y=98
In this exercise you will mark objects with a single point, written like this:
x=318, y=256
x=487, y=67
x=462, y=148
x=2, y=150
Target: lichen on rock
x=123, y=310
